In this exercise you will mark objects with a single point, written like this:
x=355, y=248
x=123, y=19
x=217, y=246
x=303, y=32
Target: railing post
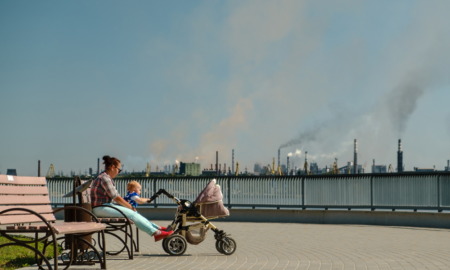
x=303, y=192
x=229, y=191
x=371, y=194
x=154, y=191
x=439, y=193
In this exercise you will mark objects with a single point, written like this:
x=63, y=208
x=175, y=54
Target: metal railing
x=424, y=191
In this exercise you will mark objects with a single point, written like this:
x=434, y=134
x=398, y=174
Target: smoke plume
x=402, y=101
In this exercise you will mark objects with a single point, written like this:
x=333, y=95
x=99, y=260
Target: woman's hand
x=124, y=203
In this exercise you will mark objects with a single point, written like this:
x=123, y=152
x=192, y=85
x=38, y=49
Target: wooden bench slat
x=14, y=219
x=15, y=190
x=27, y=228
x=19, y=200
x=78, y=227
x=41, y=209
x=22, y=180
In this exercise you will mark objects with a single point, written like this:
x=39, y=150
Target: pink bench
x=25, y=209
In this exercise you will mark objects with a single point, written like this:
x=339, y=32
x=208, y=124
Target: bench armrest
x=28, y=211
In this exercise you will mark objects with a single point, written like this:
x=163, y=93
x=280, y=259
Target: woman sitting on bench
x=104, y=192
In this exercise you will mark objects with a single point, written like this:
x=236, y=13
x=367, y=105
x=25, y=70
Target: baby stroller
x=191, y=221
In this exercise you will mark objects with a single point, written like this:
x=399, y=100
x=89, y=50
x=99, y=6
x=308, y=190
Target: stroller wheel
x=175, y=245
x=226, y=246
x=219, y=246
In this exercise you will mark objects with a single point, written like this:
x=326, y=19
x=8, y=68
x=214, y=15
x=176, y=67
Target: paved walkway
x=301, y=246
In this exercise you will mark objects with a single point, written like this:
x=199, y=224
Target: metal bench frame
x=25, y=209
x=120, y=228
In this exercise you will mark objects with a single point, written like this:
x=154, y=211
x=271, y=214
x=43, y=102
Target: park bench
x=25, y=209
x=120, y=228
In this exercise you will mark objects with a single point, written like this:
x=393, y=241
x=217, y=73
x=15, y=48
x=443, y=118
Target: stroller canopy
x=211, y=199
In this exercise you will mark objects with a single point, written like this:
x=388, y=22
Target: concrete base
x=385, y=218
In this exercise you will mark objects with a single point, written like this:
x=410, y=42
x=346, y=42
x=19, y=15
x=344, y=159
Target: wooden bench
x=25, y=209
x=119, y=227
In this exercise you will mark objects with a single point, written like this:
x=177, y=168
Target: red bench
x=25, y=209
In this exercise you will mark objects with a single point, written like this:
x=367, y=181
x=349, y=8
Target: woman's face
x=115, y=170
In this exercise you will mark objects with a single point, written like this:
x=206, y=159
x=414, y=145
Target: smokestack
x=399, y=157
x=355, y=157
x=39, y=168
x=287, y=165
x=305, y=166
x=232, y=160
x=217, y=161
x=98, y=166
x=279, y=157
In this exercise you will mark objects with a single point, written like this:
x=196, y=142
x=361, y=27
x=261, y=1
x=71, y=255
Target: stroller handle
x=162, y=191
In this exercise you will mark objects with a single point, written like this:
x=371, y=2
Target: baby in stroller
x=208, y=205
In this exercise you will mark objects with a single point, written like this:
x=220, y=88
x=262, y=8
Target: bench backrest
x=24, y=192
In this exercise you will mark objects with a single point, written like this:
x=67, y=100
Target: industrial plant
x=307, y=167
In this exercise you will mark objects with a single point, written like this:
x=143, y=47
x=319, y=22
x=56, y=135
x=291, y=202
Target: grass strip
x=13, y=257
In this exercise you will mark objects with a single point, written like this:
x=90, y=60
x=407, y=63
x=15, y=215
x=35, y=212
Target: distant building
x=424, y=169
x=313, y=168
x=209, y=172
x=379, y=169
x=349, y=169
x=257, y=168
x=11, y=172
x=191, y=169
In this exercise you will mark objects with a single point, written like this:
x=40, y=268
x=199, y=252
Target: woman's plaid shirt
x=103, y=190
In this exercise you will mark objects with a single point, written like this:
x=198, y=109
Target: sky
x=161, y=82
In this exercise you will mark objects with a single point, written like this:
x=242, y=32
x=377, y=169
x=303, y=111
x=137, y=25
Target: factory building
x=190, y=169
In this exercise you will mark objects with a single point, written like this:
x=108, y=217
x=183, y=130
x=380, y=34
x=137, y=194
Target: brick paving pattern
x=300, y=246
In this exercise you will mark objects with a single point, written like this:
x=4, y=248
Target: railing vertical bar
x=303, y=192
x=371, y=194
x=439, y=193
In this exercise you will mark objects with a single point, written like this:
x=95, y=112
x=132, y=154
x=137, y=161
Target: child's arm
x=140, y=200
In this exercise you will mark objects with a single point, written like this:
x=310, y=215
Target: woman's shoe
x=159, y=235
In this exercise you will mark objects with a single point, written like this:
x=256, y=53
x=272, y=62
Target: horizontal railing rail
x=415, y=191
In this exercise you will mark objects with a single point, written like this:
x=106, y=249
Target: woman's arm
x=124, y=203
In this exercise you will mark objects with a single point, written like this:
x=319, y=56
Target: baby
x=133, y=194
x=133, y=197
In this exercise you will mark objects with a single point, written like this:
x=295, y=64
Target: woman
x=104, y=192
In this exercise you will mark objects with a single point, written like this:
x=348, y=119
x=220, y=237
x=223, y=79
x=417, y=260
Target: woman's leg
x=140, y=221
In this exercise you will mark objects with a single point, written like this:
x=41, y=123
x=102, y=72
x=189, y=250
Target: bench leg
x=136, y=243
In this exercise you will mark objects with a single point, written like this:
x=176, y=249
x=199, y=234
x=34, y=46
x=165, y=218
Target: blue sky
x=167, y=81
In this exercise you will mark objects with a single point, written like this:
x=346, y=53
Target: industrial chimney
x=232, y=160
x=279, y=157
x=287, y=165
x=39, y=168
x=305, y=166
x=355, y=157
x=399, y=157
x=217, y=161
